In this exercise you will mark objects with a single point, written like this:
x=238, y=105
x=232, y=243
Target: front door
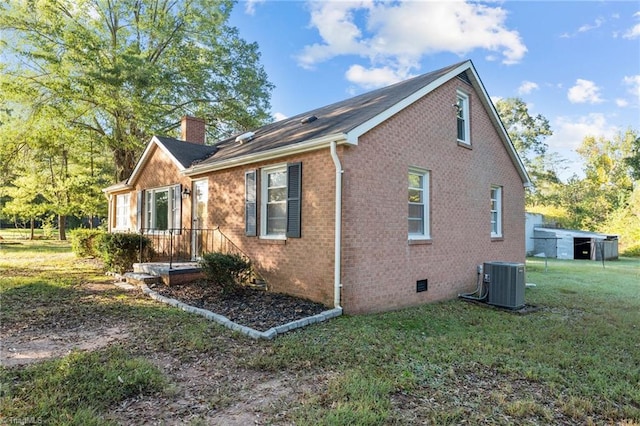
x=199, y=215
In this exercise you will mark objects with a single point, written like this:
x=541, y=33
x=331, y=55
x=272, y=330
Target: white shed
x=573, y=244
x=532, y=220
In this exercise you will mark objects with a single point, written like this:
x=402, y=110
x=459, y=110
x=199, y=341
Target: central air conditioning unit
x=506, y=284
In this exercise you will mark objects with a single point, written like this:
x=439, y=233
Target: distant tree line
x=606, y=199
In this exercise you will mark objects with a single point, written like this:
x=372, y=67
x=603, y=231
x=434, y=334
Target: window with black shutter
x=250, y=212
x=294, y=189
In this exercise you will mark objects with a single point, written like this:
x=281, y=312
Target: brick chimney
x=193, y=130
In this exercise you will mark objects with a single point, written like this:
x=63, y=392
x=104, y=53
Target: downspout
x=338, y=231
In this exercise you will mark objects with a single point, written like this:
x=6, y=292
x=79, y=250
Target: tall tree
x=131, y=68
x=633, y=160
x=607, y=185
x=528, y=134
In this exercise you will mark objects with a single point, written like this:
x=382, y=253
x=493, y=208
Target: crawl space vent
x=421, y=285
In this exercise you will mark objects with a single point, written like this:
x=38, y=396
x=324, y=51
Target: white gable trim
x=354, y=134
x=146, y=155
x=502, y=132
x=363, y=128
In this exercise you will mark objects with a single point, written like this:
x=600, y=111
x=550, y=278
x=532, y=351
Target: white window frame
x=174, y=200
x=122, y=212
x=462, y=113
x=264, y=201
x=496, y=211
x=425, y=233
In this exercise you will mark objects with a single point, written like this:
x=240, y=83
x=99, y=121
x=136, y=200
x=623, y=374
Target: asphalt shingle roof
x=339, y=117
x=336, y=118
x=187, y=153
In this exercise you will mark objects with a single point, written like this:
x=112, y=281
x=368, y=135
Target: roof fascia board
x=120, y=186
x=495, y=117
x=147, y=154
x=310, y=145
x=356, y=132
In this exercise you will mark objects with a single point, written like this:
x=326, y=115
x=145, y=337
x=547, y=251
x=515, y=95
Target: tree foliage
x=633, y=160
x=604, y=200
x=54, y=172
x=128, y=69
x=526, y=132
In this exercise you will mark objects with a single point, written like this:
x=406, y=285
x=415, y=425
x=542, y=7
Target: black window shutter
x=294, y=191
x=140, y=210
x=250, y=217
x=177, y=206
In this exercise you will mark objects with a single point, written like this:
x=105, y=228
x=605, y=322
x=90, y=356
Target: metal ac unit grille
x=506, y=284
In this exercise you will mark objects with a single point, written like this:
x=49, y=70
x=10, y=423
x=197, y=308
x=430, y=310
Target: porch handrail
x=188, y=244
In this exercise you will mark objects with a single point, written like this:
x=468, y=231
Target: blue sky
x=575, y=62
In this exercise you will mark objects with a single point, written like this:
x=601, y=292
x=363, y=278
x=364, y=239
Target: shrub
x=226, y=270
x=632, y=251
x=84, y=242
x=120, y=251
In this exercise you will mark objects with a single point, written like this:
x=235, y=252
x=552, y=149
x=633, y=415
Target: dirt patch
x=209, y=394
x=34, y=346
x=210, y=386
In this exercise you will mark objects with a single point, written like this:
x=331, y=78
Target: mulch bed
x=254, y=308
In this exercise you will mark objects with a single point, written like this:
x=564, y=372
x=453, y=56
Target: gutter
x=297, y=148
x=338, y=231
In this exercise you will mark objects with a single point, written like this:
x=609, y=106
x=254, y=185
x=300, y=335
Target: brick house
x=378, y=202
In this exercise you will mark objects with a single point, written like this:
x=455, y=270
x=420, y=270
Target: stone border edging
x=226, y=322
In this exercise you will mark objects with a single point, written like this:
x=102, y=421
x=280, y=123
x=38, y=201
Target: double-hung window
x=419, y=204
x=496, y=211
x=462, y=118
x=274, y=201
x=163, y=208
x=122, y=211
x=280, y=201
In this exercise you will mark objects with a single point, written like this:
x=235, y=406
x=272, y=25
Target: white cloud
x=634, y=86
x=250, y=6
x=373, y=77
x=584, y=91
x=633, y=32
x=277, y=116
x=527, y=87
x=622, y=103
x=568, y=134
x=588, y=27
x=394, y=36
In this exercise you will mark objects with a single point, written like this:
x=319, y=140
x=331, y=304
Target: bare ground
x=205, y=388
x=215, y=385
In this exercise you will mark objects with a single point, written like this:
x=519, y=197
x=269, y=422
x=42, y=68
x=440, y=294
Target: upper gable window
x=462, y=118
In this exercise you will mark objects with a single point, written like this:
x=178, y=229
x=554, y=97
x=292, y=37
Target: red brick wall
x=380, y=267
x=298, y=266
x=160, y=171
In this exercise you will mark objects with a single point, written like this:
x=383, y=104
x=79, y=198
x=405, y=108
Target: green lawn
x=574, y=361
